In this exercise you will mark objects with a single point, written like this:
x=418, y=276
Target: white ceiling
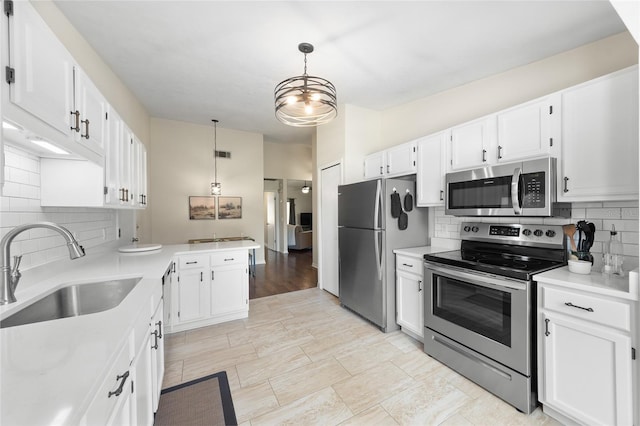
x=197, y=60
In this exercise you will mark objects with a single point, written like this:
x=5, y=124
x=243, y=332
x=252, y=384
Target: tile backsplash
x=622, y=214
x=20, y=204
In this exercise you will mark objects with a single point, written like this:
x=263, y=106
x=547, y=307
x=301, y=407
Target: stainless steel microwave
x=526, y=188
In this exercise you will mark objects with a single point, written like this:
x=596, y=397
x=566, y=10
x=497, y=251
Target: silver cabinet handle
x=441, y=195
x=380, y=169
x=546, y=327
x=484, y=155
x=499, y=152
x=566, y=186
x=571, y=305
x=77, y=120
x=201, y=277
x=212, y=275
x=192, y=263
x=86, y=127
x=419, y=286
x=387, y=168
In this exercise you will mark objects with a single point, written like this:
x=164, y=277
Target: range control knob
x=474, y=229
x=526, y=232
x=550, y=233
x=467, y=228
x=538, y=232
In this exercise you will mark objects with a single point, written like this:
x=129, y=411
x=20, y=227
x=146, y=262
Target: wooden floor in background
x=283, y=273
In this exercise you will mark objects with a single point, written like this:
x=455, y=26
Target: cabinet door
x=432, y=167
x=43, y=83
x=157, y=354
x=92, y=107
x=472, y=143
x=587, y=371
x=409, y=299
x=126, y=165
x=401, y=159
x=374, y=165
x=229, y=289
x=600, y=139
x=193, y=296
x=528, y=130
x=113, y=146
x=143, y=383
x=139, y=174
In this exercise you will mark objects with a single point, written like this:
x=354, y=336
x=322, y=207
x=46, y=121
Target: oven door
x=490, y=315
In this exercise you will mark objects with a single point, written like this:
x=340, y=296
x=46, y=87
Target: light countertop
x=419, y=252
x=51, y=370
x=621, y=287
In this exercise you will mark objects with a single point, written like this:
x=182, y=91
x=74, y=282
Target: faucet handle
x=16, y=264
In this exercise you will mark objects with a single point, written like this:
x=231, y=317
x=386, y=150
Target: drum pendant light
x=304, y=100
x=216, y=187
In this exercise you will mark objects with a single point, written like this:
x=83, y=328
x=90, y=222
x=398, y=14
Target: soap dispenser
x=613, y=255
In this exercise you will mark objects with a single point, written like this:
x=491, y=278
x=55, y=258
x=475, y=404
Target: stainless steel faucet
x=11, y=276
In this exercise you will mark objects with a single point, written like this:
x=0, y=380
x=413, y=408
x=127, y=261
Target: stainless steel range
x=480, y=305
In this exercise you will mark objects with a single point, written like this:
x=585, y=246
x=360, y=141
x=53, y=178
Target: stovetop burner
x=511, y=254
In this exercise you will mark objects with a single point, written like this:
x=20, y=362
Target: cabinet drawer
x=190, y=262
x=229, y=258
x=593, y=308
x=409, y=264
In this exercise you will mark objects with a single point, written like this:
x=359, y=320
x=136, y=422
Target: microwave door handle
x=515, y=191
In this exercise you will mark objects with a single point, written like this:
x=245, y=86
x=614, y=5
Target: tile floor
x=302, y=359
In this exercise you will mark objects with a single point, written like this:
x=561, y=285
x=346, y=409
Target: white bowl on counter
x=580, y=266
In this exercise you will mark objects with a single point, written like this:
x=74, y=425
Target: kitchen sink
x=73, y=301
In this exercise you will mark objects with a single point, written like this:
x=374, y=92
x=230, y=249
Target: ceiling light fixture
x=304, y=100
x=305, y=188
x=216, y=187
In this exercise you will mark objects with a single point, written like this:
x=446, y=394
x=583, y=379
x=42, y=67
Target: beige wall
x=287, y=161
x=336, y=140
x=181, y=165
x=497, y=92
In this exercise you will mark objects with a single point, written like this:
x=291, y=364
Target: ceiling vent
x=223, y=154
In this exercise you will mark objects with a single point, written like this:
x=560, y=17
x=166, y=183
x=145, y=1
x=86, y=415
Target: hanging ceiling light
x=216, y=187
x=304, y=100
x=305, y=188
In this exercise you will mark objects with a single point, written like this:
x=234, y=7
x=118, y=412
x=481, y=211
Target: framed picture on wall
x=229, y=207
x=202, y=208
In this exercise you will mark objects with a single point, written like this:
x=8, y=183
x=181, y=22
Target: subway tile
x=620, y=204
x=603, y=213
x=630, y=213
x=587, y=205
x=630, y=237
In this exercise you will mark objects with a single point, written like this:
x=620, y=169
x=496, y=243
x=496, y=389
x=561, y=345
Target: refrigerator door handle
x=376, y=207
x=378, y=258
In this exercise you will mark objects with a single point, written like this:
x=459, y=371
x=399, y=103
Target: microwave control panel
x=533, y=185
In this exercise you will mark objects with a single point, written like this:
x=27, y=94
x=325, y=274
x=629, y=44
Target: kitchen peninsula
x=78, y=370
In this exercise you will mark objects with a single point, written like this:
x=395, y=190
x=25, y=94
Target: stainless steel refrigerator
x=370, y=223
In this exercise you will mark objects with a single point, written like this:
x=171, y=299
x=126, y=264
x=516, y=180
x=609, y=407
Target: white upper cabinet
x=432, y=166
x=473, y=143
x=599, y=159
x=374, y=165
x=89, y=120
x=42, y=67
x=113, y=146
x=397, y=161
x=529, y=130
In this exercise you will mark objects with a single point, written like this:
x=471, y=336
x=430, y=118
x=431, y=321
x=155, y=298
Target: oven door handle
x=515, y=191
x=477, y=279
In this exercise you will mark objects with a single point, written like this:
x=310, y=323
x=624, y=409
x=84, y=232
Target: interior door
x=328, y=273
x=270, y=220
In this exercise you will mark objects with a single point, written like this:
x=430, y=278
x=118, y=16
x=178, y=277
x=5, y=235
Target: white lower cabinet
x=210, y=288
x=113, y=404
x=585, y=357
x=130, y=391
x=410, y=296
